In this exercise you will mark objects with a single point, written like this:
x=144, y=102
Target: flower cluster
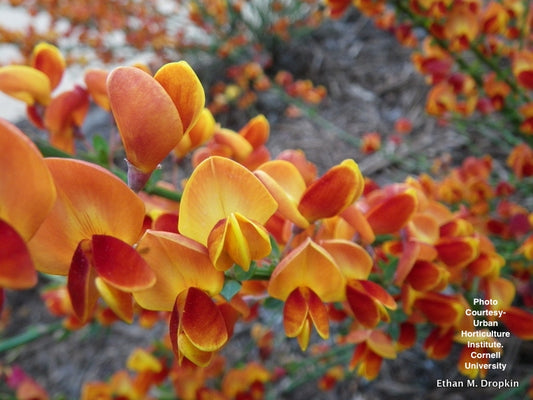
x=245, y=229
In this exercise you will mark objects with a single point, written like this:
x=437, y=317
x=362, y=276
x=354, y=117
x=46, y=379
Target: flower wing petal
x=147, y=119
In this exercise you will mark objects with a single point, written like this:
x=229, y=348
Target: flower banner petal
x=218, y=187
x=91, y=201
x=23, y=206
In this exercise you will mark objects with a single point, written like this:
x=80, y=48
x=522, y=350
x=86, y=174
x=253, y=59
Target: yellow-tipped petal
x=48, y=59
x=148, y=121
x=217, y=188
x=182, y=84
x=238, y=241
x=119, y=301
x=91, y=201
x=256, y=131
x=25, y=83
x=27, y=190
x=178, y=263
x=308, y=265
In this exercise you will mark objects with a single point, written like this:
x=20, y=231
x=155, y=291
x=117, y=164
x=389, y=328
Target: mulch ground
x=371, y=83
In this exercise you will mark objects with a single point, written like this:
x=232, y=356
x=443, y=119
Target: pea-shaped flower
x=153, y=113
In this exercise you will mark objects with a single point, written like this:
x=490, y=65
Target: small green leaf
x=101, y=149
x=241, y=274
x=273, y=304
x=230, y=289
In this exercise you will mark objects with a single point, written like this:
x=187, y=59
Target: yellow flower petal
x=237, y=240
x=308, y=265
x=25, y=83
x=182, y=84
x=178, y=263
x=217, y=188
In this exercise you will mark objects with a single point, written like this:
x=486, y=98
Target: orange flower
x=370, y=142
x=523, y=68
x=197, y=327
x=304, y=279
x=440, y=309
x=185, y=89
x=178, y=263
x=223, y=207
x=439, y=342
x=441, y=99
x=390, y=209
x=519, y=322
x=248, y=380
x=461, y=26
x=88, y=236
x=64, y=117
x=147, y=118
x=27, y=194
x=48, y=59
x=325, y=197
x=372, y=347
x=520, y=160
x=367, y=299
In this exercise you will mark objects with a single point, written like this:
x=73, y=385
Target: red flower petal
x=295, y=313
x=202, y=321
x=120, y=265
x=393, y=213
x=16, y=266
x=519, y=322
x=81, y=288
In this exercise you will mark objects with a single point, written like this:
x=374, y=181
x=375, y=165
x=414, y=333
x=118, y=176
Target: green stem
x=31, y=334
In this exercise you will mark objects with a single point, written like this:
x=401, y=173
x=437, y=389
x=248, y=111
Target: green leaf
x=101, y=149
x=230, y=289
x=271, y=303
x=242, y=275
